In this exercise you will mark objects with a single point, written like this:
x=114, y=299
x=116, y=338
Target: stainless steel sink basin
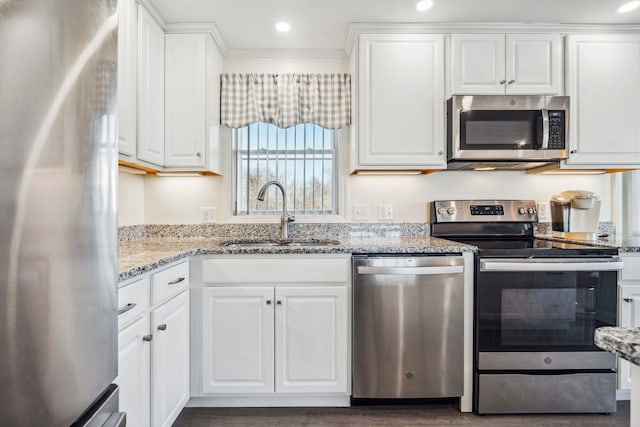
x=241, y=243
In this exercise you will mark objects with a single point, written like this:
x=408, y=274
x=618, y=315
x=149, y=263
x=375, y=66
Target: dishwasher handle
x=413, y=271
x=558, y=264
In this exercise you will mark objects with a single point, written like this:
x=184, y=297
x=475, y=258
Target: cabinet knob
x=198, y=154
x=147, y=338
x=279, y=302
x=162, y=327
x=440, y=153
x=573, y=151
x=511, y=82
x=502, y=82
x=268, y=302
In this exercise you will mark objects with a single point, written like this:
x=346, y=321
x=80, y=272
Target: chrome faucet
x=285, y=219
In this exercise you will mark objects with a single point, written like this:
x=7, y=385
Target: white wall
x=410, y=194
x=130, y=199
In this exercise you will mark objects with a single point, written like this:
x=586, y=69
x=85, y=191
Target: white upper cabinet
x=193, y=65
x=127, y=77
x=400, y=102
x=150, y=89
x=512, y=64
x=603, y=83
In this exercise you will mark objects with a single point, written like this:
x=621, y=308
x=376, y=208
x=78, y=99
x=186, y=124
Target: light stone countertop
x=623, y=342
x=139, y=256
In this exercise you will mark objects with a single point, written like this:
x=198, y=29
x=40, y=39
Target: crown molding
x=286, y=53
x=356, y=28
x=153, y=11
x=197, y=27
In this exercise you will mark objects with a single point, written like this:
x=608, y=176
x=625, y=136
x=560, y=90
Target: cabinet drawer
x=133, y=300
x=272, y=270
x=169, y=282
x=631, y=269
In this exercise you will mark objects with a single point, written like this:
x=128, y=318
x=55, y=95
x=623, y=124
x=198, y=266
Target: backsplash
x=299, y=230
x=272, y=231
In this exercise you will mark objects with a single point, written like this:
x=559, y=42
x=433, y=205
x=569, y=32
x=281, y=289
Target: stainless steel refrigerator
x=58, y=228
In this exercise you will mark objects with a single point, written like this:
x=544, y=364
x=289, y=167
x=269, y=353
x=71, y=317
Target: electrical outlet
x=360, y=212
x=209, y=215
x=385, y=212
x=543, y=212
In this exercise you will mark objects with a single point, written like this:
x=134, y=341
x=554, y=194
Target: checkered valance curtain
x=286, y=99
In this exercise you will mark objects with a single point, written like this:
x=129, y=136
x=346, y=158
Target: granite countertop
x=623, y=342
x=139, y=256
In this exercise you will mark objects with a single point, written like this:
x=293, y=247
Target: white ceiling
x=323, y=24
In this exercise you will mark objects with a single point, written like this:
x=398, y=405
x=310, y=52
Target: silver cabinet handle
x=502, y=82
x=162, y=327
x=511, y=82
x=454, y=269
x=279, y=302
x=175, y=282
x=147, y=338
x=631, y=300
x=125, y=308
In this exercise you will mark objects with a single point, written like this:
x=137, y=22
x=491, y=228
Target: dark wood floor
x=440, y=414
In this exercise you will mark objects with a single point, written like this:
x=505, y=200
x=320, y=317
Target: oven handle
x=553, y=264
x=414, y=271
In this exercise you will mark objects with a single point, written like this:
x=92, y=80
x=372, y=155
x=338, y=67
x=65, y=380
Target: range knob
x=451, y=210
x=522, y=211
x=531, y=211
x=442, y=211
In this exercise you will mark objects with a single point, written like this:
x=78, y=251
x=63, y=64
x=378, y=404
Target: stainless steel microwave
x=506, y=132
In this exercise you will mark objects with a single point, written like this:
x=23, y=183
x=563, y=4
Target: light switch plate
x=385, y=212
x=209, y=215
x=360, y=212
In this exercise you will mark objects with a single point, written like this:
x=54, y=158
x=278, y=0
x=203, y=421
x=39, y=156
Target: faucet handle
x=291, y=218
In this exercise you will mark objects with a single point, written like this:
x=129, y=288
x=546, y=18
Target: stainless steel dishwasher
x=407, y=326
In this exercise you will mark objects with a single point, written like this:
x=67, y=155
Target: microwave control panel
x=556, y=129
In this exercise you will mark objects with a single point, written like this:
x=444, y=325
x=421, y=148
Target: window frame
x=301, y=217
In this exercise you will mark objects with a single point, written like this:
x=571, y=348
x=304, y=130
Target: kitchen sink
x=241, y=243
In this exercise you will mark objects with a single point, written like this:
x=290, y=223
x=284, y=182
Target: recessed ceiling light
x=628, y=7
x=423, y=5
x=283, y=27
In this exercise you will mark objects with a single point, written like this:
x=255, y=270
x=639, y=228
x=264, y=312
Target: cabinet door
x=150, y=89
x=311, y=339
x=170, y=359
x=604, y=88
x=629, y=317
x=401, y=101
x=185, y=68
x=127, y=77
x=237, y=340
x=533, y=64
x=477, y=64
x=134, y=370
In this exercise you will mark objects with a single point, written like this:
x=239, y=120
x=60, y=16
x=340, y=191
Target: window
x=302, y=158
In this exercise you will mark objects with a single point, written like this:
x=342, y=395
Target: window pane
x=302, y=158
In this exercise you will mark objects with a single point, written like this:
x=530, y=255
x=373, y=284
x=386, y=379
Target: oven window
x=500, y=129
x=554, y=311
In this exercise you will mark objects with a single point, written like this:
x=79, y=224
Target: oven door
x=543, y=305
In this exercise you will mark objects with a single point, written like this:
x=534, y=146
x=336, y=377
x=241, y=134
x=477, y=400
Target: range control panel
x=483, y=211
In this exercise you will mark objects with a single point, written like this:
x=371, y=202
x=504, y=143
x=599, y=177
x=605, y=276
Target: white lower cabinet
x=134, y=368
x=275, y=331
x=170, y=359
x=153, y=346
x=628, y=310
x=301, y=331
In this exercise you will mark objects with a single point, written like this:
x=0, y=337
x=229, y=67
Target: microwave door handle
x=545, y=129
